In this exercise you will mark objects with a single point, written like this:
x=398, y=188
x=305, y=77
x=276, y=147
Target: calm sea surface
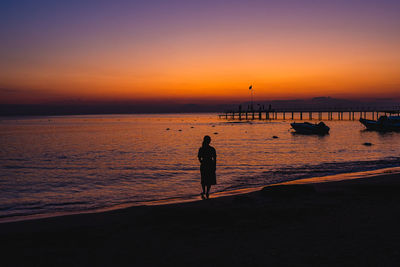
x=78, y=163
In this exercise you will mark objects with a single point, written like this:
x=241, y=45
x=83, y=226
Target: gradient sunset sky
x=197, y=51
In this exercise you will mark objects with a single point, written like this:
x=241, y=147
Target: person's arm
x=199, y=155
x=215, y=157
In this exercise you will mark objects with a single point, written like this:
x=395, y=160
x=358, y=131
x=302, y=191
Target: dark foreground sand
x=350, y=223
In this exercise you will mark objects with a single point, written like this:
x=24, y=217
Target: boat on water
x=310, y=128
x=384, y=123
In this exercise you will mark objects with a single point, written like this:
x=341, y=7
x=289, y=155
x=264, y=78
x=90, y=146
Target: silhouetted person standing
x=208, y=162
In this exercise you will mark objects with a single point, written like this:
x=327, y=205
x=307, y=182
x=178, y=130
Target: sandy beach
x=347, y=223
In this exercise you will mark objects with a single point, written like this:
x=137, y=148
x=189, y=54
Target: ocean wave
x=47, y=168
x=289, y=173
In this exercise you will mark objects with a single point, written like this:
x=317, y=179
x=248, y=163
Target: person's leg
x=208, y=191
x=203, y=186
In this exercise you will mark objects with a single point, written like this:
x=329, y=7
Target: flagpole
x=251, y=96
x=251, y=93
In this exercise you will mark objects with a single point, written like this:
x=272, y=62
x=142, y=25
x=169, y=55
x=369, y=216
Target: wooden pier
x=304, y=114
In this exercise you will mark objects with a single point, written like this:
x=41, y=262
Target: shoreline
x=342, y=222
x=221, y=194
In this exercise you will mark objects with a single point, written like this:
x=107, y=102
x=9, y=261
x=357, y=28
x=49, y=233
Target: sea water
x=68, y=164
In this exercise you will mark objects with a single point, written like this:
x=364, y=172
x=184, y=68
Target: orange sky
x=216, y=59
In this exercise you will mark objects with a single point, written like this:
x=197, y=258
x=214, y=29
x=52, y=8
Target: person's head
x=206, y=140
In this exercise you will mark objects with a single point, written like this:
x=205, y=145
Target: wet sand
x=351, y=222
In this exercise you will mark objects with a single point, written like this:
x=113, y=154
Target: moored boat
x=384, y=123
x=310, y=128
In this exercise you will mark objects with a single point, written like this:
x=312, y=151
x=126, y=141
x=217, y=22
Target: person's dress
x=208, y=156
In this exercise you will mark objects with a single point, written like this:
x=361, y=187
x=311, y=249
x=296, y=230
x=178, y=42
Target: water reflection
x=82, y=162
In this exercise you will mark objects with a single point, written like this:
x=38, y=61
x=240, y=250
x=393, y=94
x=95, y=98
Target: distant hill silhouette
x=75, y=108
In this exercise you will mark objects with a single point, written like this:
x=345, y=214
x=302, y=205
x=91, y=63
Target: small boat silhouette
x=310, y=128
x=384, y=123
